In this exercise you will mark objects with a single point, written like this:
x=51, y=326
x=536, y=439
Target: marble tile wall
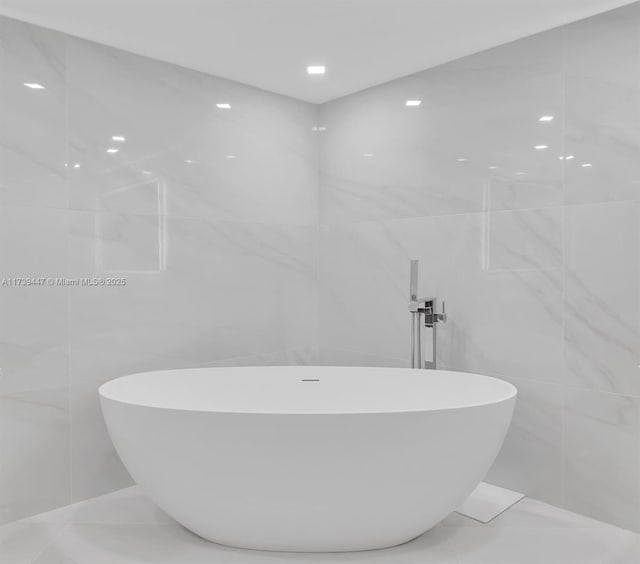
x=536, y=251
x=210, y=214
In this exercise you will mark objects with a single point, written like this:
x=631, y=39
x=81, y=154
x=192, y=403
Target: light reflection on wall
x=149, y=238
x=523, y=211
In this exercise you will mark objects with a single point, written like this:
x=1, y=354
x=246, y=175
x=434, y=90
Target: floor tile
x=601, y=545
x=530, y=514
x=21, y=543
x=172, y=544
x=126, y=506
x=127, y=528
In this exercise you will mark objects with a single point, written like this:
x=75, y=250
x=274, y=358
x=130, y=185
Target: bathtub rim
x=106, y=395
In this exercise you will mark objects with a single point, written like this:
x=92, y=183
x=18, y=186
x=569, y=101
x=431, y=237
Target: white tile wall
x=219, y=253
x=535, y=254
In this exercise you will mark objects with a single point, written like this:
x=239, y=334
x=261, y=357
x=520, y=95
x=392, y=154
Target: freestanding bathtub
x=307, y=459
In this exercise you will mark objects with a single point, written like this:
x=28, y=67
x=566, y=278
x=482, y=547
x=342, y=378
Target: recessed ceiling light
x=223, y=106
x=462, y=159
x=34, y=85
x=316, y=69
x=492, y=167
x=112, y=150
x=569, y=157
x=76, y=165
x=541, y=147
x=546, y=118
x=586, y=165
x=189, y=161
x=231, y=157
x=413, y=103
x=118, y=138
x=367, y=155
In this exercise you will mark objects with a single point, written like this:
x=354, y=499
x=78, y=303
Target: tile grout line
x=564, y=270
x=67, y=268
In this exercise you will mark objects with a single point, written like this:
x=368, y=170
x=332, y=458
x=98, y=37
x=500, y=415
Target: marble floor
x=126, y=528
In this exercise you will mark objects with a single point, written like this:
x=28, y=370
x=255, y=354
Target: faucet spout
x=419, y=307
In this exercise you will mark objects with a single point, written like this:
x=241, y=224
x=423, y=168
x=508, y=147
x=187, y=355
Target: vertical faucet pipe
x=419, y=339
x=415, y=316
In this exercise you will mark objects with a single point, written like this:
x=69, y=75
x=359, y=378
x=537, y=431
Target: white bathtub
x=308, y=459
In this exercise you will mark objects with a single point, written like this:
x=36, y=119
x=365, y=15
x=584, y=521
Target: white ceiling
x=269, y=43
